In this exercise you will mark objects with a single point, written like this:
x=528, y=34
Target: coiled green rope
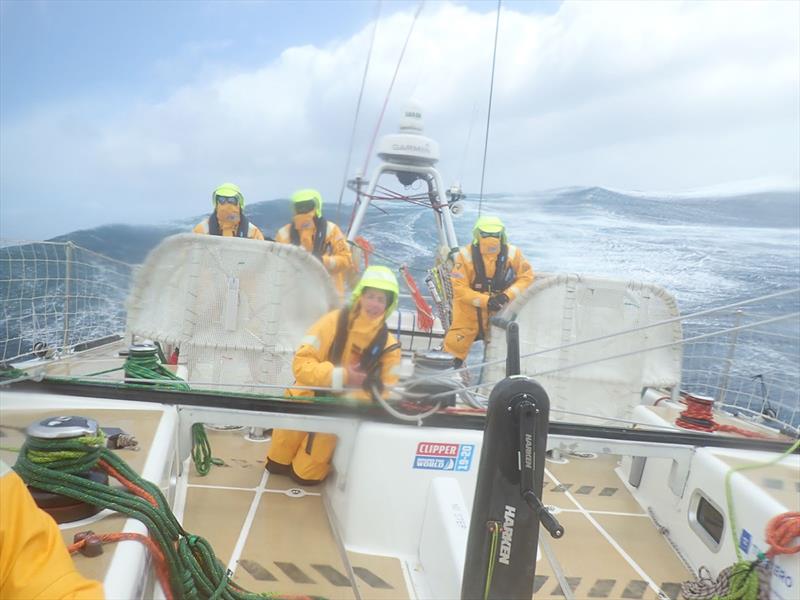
x=201, y=451
x=194, y=571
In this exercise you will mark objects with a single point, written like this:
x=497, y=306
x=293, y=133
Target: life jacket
x=319, y=247
x=242, y=231
x=503, y=278
x=370, y=356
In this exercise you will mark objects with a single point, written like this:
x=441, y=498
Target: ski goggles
x=490, y=234
x=227, y=199
x=304, y=206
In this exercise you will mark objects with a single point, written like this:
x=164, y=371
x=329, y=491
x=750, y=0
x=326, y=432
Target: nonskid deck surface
x=611, y=550
x=275, y=535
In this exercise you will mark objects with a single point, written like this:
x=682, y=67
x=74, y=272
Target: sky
x=133, y=112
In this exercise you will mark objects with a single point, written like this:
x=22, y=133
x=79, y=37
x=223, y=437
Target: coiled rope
x=201, y=451
x=699, y=416
x=192, y=570
x=747, y=580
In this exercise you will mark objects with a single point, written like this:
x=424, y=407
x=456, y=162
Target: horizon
x=695, y=195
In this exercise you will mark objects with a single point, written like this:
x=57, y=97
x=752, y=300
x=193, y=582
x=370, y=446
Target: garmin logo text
x=411, y=148
x=528, y=451
x=508, y=535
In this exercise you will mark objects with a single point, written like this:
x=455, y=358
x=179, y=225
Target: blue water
x=706, y=252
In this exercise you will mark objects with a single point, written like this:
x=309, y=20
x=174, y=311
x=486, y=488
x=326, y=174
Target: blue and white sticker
x=744, y=541
x=443, y=457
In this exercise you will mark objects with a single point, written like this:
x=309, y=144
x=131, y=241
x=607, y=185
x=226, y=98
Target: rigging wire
x=358, y=109
x=489, y=112
x=469, y=137
x=389, y=91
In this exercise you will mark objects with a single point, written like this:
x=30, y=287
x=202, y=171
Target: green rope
x=201, y=451
x=745, y=576
x=149, y=367
x=495, y=533
x=9, y=372
x=729, y=492
x=194, y=570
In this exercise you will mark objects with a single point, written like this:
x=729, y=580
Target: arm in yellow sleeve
x=257, y=235
x=524, y=273
x=460, y=278
x=310, y=364
x=34, y=562
x=282, y=236
x=201, y=227
x=340, y=259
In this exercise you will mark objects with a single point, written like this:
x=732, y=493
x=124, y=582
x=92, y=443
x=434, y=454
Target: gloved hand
x=497, y=302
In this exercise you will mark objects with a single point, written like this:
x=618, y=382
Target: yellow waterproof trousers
x=304, y=456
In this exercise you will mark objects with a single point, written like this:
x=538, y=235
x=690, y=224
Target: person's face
x=373, y=302
x=227, y=208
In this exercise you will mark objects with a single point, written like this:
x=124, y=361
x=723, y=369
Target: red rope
x=128, y=484
x=699, y=416
x=162, y=572
x=364, y=244
x=424, y=311
x=781, y=530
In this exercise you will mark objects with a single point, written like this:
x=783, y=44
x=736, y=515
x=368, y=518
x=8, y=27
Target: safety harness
x=503, y=277
x=370, y=357
x=241, y=231
x=319, y=248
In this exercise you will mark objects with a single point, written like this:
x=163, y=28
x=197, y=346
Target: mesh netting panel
x=55, y=296
x=557, y=311
x=236, y=308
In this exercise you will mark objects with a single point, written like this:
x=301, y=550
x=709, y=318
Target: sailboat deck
x=276, y=536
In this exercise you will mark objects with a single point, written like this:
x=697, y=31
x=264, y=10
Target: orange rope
x=128, y=484
x=162, y=572
x=364, y=244
x=781, y=530
x=699, y=416
x=424, y=311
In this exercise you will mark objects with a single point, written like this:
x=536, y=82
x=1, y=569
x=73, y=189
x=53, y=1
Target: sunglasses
x=304, y=206
x=227, y=199
x=486, y=234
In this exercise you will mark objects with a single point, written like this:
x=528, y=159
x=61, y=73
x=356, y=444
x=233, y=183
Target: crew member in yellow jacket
x=34, y=562
x=319, y=236
x=228, y=218
x=350, y=347
x=487, y=275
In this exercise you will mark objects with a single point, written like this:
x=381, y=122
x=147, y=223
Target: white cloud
x=628, y=95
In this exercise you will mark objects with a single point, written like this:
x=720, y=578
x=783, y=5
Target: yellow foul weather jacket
x=471, y=292
x=329, y=245
x=307, y=455
x=34, y=562
x=243, y=228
